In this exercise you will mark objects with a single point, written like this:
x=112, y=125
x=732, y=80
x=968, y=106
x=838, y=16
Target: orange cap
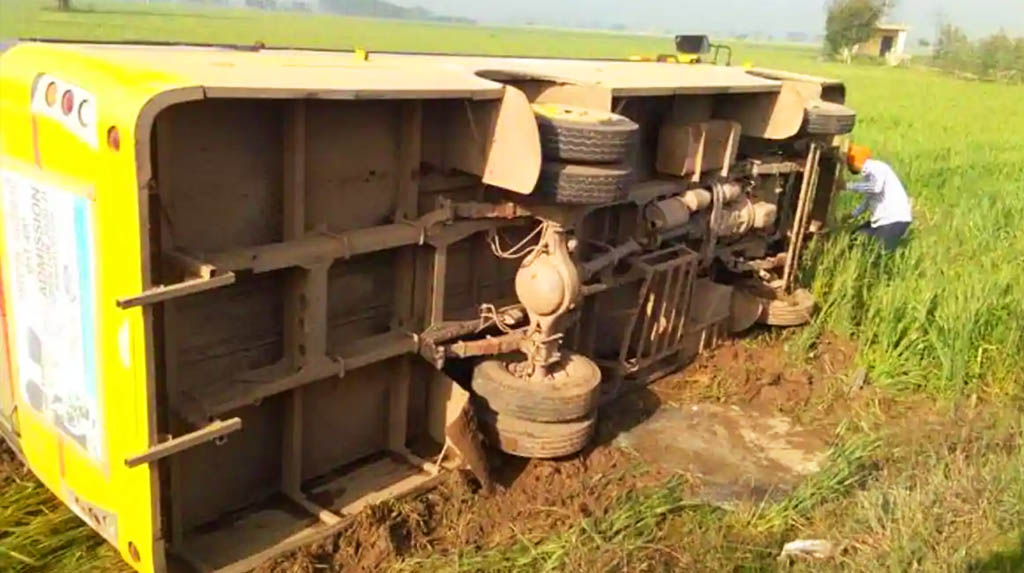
x=856, y=157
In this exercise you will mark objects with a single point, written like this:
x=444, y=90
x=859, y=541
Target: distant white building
x=889, y=43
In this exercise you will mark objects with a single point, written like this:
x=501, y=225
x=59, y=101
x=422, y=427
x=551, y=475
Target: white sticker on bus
x=49, y=242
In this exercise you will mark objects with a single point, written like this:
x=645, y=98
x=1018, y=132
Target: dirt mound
x=532, y=498
x=764, y=376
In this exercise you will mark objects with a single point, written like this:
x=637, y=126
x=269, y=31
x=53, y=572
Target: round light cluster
x=68, y=104
x=74, y=107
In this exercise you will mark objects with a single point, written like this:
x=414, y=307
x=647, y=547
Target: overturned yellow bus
x=248, y=292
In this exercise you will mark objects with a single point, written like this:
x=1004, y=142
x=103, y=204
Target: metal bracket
x=490, y=346
x=211, y=432
x=168, y=292
x=481, y=210
x=432, y=353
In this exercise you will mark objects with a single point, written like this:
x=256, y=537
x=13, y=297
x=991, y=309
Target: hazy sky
x=725, y=16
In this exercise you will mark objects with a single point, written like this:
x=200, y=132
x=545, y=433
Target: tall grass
x=37, y=532
x=946, y=313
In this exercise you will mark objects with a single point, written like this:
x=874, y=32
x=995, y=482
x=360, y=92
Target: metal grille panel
x=657, y=325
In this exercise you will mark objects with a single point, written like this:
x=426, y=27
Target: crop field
x=927, y=466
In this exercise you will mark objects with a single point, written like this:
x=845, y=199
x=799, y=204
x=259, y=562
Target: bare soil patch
x=765, y=376
x=534, y=498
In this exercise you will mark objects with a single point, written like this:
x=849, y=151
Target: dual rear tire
x=550, y=418
x=585, y=155
x=580, y=135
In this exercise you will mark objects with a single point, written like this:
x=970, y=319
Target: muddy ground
x=535, y=498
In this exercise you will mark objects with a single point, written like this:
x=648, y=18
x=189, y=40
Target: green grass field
x=928, y=476
x=104, y=20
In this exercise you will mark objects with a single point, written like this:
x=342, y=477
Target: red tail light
x=67, y=103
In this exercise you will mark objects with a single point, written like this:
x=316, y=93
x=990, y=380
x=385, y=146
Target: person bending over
x=884, y=197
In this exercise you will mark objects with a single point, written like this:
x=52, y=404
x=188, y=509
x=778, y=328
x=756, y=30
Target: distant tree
x=950, y=39
x=851, y=22
x=64, y=5
x=995, y=57
x=953, y=49
x=924, y=43
x=996, y=54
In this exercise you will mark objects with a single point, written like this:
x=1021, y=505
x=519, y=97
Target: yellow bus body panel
x=43, y=153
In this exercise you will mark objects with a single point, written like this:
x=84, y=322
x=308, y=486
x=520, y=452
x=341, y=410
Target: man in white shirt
x=884, y=196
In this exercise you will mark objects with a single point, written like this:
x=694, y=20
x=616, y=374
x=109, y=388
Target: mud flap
x=463, y=433
x=453, y=422
x=499, y=141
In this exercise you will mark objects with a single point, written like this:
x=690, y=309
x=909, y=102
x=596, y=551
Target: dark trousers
x=889, y=235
